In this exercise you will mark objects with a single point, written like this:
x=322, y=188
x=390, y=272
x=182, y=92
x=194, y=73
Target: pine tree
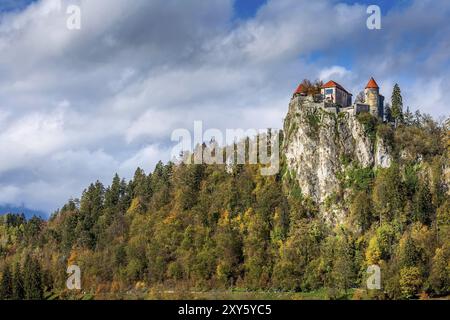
x=397, y=105
x=6, y=284
x=409, y=253
x=388, y=113
x=417, y=118
x=113, y=193
x=408, y=117
x=423, y=207
x=17, y=284
x=361, y=210
x=91, y=207
x=439, y=277
x=141, y=185
x=32, y=279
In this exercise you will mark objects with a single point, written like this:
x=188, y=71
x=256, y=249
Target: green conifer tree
x=397, y=105
x=6, y=283
x=388, y=113
x=17, y=283
x=32, y=279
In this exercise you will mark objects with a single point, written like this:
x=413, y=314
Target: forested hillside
x=29, y=213
x=203, y=227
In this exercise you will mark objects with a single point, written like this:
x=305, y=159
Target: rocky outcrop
x=383, y=157
x=320, y=143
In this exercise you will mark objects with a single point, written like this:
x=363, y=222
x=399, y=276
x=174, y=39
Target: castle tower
x=374, y=99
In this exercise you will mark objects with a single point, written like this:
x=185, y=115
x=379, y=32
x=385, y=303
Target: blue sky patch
x=245, y=9
x=13, y=5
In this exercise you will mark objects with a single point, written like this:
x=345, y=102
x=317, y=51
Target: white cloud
x=31, y=136
x=334, y=72
x=428, y=96
x=147, y=157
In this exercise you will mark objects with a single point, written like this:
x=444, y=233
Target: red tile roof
x=300, y=89
x=372, y=84
x=334, y=84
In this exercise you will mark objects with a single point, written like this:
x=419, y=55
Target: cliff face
x=320, y=144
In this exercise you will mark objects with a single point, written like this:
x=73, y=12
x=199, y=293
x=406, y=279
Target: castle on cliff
x=336, y=98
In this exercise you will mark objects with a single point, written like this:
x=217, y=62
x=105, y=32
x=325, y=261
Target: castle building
x=335, y=93
x=335, y=98
x=374, y=99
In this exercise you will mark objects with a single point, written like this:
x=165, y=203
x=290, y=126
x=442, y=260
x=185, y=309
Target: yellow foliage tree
x=373, y=252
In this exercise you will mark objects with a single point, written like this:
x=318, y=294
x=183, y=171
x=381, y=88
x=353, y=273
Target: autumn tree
x=229, y=249
x=440, y=272
x=410, y=282
x=296, y=253
x=361, y=97
x=344, y=268
x=256, y=259
x=311, y=88
x=388, y=193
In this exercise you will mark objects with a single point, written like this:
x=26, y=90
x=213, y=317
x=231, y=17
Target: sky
x=78, y=106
